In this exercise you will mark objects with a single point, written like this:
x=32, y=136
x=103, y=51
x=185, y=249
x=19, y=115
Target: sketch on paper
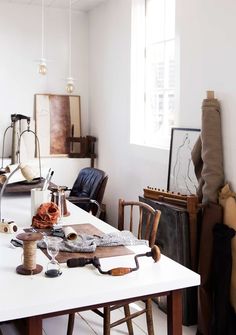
x=181, y=176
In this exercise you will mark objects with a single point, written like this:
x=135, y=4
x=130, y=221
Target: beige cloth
x=207, y=154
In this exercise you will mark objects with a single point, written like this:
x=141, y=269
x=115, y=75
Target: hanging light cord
x=43, y=12
x=70, y=31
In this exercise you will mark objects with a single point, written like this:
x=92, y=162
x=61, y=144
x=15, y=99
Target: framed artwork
x=57, y=117
x=181, y=176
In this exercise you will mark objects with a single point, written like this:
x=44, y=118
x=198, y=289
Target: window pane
x=153, y=112
x=170, y=64
x=160, y=71
x=155, y=63
x=169, y=19
x=155, y=21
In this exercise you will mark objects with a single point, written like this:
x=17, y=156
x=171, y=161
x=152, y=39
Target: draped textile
x=224, y=318
x=207, y=157
x=227, y=200
x=212, y=214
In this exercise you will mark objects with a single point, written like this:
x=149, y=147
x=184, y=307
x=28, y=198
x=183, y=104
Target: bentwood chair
x=142, y=220
x=88, y=190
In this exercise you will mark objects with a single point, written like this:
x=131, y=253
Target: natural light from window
x=153, y=72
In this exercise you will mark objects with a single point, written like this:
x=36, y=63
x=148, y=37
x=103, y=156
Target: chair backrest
x=90, y=183
x=148, y=219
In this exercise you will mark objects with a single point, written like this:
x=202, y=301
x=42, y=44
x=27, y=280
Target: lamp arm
x=36, y=148
x=3, y=142
x=3, y=188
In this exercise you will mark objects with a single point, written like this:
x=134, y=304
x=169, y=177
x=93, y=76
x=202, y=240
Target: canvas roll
x=207, y=154
x=70, y=233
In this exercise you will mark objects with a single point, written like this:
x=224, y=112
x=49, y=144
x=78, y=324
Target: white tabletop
x=23, y=296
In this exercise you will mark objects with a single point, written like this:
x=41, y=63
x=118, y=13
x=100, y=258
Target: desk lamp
x=27, y=172
x=37, y=148
x=16, y=141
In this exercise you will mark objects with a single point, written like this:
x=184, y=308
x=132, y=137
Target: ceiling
x=83, y=5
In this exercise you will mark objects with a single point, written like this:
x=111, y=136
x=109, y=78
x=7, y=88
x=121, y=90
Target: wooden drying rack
x=190, y=202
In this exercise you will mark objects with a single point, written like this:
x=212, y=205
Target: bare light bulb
x=70, y=85
x=42, y=68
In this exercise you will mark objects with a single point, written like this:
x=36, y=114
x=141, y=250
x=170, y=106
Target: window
x=153, y=72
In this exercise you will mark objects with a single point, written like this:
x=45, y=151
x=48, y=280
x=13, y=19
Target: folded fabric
x=89, y=243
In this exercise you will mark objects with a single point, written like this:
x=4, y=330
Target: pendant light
x=70, y=81
x=42, y=69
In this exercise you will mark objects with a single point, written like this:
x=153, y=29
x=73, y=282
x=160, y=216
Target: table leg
x=34, y=325
x=174, y=313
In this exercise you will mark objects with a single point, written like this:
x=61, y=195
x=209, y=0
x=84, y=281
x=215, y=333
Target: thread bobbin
x=29, y=266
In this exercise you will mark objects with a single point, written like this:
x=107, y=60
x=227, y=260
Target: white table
x=36, y=297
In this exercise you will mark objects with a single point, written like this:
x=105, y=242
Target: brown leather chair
x=88, y=190
x=146, y=227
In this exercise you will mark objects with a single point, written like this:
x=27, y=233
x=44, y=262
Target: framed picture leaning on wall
x=181, y=176
x=57, y=117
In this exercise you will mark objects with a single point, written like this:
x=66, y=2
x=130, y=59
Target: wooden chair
x=148, y=220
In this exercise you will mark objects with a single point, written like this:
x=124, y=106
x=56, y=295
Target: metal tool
x=120, y=271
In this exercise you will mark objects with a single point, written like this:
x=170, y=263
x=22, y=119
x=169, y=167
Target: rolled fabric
x=207, y=157
x=207, y=154
x=212, y=150
x=70, y=233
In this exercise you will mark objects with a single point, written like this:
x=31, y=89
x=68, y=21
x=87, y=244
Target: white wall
x=206, y=29
x=207, y=53
x=20, y=40
x=130, y=167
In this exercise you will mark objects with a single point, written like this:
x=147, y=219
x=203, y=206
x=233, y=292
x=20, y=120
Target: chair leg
x=149, y=318
x=70, y=326
x=128, y=322
x=106, y=321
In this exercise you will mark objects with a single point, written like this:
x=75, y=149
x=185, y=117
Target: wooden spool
x=29, y=266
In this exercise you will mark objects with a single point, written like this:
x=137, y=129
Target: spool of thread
x=29, y=266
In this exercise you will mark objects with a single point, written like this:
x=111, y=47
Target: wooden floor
x=88, y=323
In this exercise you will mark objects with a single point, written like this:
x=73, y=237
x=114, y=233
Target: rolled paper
x=70, y=233
x=9, y=169
x=3, y=178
